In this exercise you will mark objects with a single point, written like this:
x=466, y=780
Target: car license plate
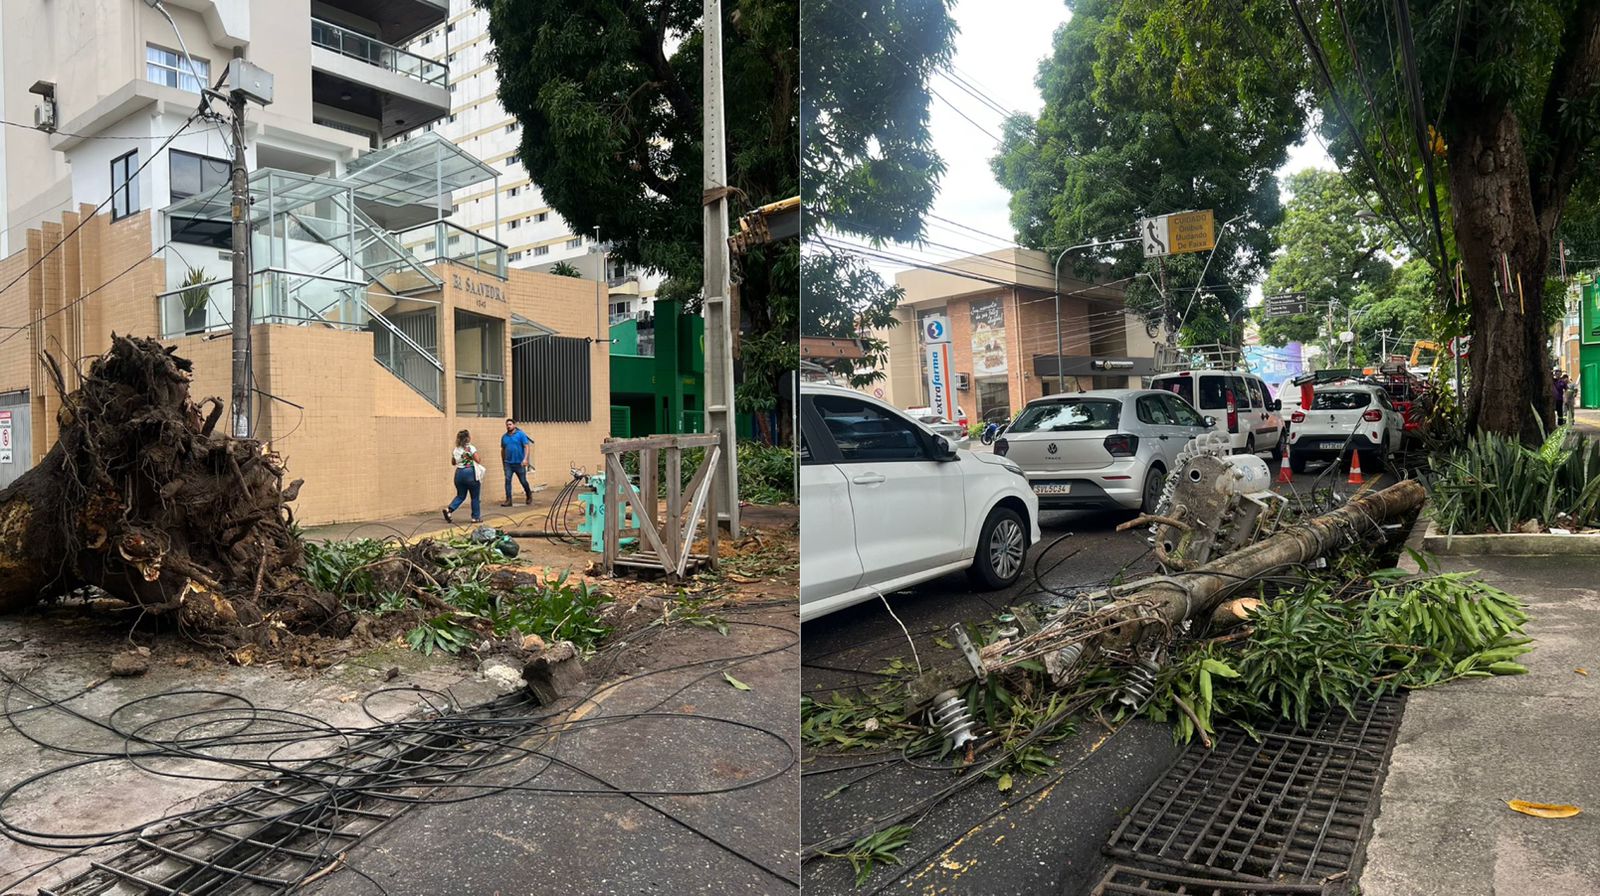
x=1052, y=488
x=1331, y=446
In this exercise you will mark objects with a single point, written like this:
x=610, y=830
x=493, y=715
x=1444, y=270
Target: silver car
x=1110, y=448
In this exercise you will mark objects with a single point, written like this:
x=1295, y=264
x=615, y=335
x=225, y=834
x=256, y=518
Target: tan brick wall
x=367, y=446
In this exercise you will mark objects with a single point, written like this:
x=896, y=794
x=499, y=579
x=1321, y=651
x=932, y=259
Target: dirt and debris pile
x=142, y=498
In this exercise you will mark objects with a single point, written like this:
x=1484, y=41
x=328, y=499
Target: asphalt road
x=1045, y=835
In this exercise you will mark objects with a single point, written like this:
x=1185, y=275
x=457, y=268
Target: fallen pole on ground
x=1125, y=623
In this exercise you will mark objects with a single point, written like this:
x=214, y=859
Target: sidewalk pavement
x=1465, y=748
x=1586, y=420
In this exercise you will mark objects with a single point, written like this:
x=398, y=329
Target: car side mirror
x=1277, y=404
x=943, y=449
x=1210, y=420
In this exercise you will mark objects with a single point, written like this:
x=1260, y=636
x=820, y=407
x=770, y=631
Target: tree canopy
x=1152, y=107
x=1332, y=252
x=1474, y=123
x=869, y=166
x=608, y=93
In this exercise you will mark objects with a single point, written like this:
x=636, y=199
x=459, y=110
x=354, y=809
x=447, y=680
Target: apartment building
x=380, y=325
x=536, y=236
x=1000, y=308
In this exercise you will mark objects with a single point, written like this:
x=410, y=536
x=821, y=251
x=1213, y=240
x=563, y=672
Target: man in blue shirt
x=514, y=455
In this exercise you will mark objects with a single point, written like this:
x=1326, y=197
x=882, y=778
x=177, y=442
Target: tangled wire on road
x=308, y=780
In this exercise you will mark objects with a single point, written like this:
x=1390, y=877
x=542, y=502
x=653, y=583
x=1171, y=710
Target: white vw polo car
x=1111, y=448
x=887, y=504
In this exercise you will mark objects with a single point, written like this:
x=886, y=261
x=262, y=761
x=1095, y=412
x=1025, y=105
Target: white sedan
x=887, y=504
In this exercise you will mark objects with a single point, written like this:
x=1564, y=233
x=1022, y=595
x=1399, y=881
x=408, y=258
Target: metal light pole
x=1061, y=377
x=718, y=283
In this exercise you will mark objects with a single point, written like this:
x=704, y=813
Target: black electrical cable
x=379, y=751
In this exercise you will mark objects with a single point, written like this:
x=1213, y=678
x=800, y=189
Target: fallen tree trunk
x=140, y=499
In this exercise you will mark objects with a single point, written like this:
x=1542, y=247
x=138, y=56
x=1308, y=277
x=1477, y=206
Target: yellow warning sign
x=1190, y=232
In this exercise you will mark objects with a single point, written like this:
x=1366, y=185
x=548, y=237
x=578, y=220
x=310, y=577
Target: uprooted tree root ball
x=141, y=499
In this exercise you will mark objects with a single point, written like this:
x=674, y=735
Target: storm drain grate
x=1121, y=880
x=280, y=833
x=1291, y=806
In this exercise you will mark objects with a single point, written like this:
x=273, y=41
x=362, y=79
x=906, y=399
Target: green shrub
x=344, y=567
x=1494, y=483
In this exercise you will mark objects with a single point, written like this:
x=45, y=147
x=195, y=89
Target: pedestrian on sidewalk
x=468, y=476
x=1560, y=385
x=515, y=454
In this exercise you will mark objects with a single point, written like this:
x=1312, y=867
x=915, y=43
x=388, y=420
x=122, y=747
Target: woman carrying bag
x=469, y=476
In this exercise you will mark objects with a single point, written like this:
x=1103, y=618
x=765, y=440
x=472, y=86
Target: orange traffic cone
x=1355, y=468
x=1284, y=473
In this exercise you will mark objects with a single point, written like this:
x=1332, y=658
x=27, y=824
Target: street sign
x=1192, y=232
x=1177, y=234
x=1286, y=304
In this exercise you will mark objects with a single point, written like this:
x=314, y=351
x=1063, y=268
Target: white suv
x=1239, y=402
x=1345, y=418
x=888, y=504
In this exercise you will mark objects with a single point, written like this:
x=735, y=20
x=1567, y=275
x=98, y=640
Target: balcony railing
x=442, y=240
x=375, y=52
x=277, y=297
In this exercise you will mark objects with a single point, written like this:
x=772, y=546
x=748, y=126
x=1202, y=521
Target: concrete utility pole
x=718, y=282
x=241, y=270
x=246, y=82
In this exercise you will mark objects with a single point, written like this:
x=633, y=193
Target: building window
x=450, y=58
x=514, y=223
x=542, y=217
x=511, y=128
x=515, y=256
x=194, y=174
x=174, y=69
x=451, y=119
x=512, y=191
x=453, y=87
x=514, y=159
x=454, y=209
x=551, y=374
x=575, y=243
x=450, y=28
x=541, y=250
x=124, y=185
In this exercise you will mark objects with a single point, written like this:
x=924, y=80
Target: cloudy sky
x=996, y=57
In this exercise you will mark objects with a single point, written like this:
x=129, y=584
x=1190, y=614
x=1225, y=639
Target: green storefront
x=1589, y=349
x=658, y=374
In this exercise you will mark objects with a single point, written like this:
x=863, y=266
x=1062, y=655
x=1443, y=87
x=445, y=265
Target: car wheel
x=1002, y=547
x=1154, y=482
x=1277, y=450
x=1297, y=462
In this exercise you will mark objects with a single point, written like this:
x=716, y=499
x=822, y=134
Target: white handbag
x=477, y=470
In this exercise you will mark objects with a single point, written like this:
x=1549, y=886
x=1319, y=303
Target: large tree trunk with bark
x=1503, y=250
x=140, y=499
